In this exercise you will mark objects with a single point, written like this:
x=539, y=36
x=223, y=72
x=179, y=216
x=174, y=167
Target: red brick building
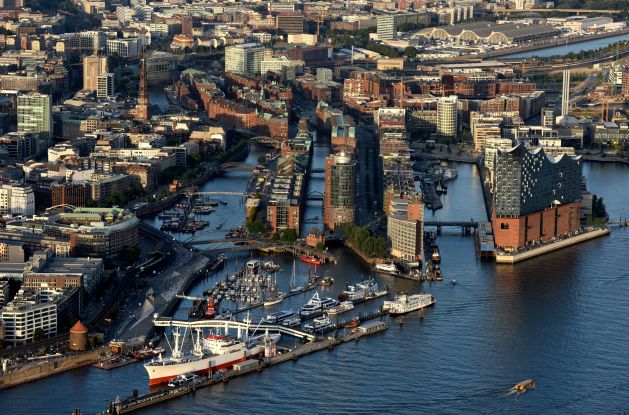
x=536, y=198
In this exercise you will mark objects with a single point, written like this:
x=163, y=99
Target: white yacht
x=316, y=305
x=403, y=303
x=319, y=323
x=343, y=307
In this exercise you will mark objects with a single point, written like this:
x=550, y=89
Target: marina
x=459, y=313
x=137, y=402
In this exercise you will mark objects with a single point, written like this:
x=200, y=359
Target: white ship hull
x=409, y=304
x=161, y=373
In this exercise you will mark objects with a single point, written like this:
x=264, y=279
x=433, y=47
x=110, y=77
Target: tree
x=39, y=334
x=130, y=254
x=288, y=235
x=320, y=246
x=410, y=52
x=256, y=227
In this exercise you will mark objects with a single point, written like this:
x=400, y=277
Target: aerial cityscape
x=366, y=206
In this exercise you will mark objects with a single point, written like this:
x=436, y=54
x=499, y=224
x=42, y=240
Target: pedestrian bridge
x=466, y=226
x=241, y=327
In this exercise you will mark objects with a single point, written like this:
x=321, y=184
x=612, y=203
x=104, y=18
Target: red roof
x=78, y=328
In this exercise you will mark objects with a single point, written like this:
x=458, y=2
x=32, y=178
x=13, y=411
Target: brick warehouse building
x=536, y=198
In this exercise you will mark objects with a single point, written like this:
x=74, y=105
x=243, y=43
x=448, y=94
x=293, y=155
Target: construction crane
x=319, y=23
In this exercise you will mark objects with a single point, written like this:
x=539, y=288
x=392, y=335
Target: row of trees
x=598, y=208
x=362, y=240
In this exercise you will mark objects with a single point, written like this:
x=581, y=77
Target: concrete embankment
x=550, y=43
x=39, y=370
x=502, y=258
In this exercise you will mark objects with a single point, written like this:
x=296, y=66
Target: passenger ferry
x=386, y=267
x=343, y=307
x=319, y=323
x=360, y=291
x=277, y=317
x=292, y=321
x=403, y=304
x=316, y=305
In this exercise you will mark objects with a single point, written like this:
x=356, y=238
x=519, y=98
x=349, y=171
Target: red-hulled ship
x=310, y=259
x=210, y=310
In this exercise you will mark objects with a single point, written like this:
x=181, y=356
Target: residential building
x=548, y=117
x=128, y=48
x=17, y=200
x=536, y=197
x=289, y=23
x=244, y=59
x=11, y=251
x=19, y=147
x=405, y=226
x=93, y=67
x=339, y=197
x=34, y=115
x=22, y=319
x=162, y=68
x=447, y=117
x=105, y=88
x=68, y=194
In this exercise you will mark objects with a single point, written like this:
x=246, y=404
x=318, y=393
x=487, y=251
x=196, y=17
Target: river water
x=560, y=319
x=573, y=47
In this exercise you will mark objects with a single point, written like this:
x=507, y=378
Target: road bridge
x=466, y=226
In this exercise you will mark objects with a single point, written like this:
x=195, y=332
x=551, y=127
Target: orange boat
x=309, y=259
x=352, y=324
x=525, y=385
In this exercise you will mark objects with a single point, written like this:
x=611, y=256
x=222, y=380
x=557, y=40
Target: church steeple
x=142, y=108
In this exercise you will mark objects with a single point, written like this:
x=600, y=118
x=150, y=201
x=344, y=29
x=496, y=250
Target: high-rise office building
x=186, y=25
x=339, y=198
x=244, y=59
x=536, y=197
x=386, y=27
x=447, y=124
x=392, y=135
x=289, y=23
x=405, y=226
x=105, y=85
x=93, y=67
x=548, y=117
x=34, y=115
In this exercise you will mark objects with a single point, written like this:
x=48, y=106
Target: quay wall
x=513, y=258
x=551, y=43
x=40, y=370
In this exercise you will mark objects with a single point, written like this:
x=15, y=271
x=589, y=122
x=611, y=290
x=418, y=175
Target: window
x=504, y=225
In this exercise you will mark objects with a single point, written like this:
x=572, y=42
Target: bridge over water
x=466, y=226
x=241, y=327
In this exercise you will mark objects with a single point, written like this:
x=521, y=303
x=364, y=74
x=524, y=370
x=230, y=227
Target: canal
x=558, y=319
x=573, y=47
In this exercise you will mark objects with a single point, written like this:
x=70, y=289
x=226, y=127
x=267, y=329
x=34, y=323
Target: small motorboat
x=274, y=300
x=326, y=281
x=352, y=324
x=525, y=385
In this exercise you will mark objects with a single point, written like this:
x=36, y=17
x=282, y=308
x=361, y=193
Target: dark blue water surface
x=560, y=319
